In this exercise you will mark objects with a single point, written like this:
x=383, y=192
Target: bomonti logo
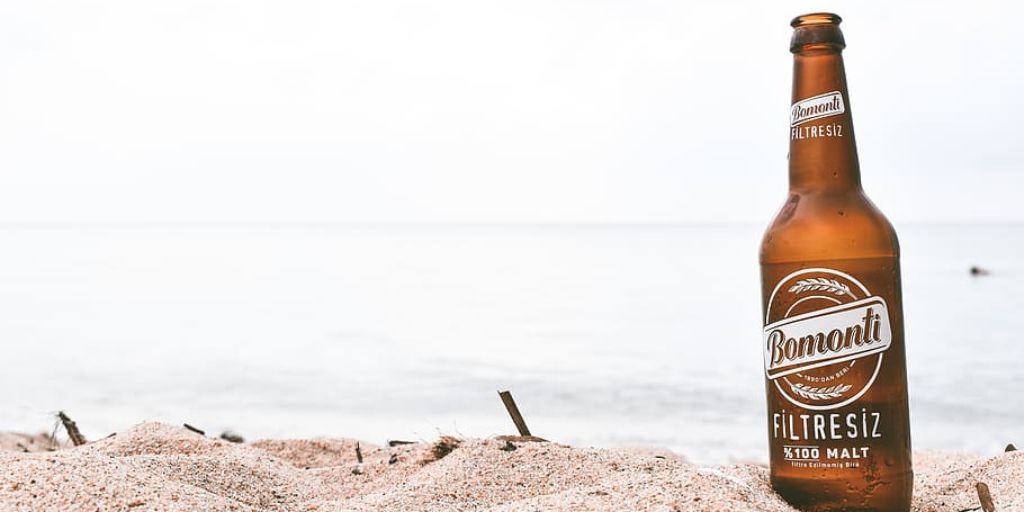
x=825, y=336
x=817, y=107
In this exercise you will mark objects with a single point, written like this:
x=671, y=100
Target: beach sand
x=156, y=466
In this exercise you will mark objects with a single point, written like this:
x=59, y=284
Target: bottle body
x=839, y=434
x=833, y=346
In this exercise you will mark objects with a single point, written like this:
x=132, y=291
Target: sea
x=606, y=335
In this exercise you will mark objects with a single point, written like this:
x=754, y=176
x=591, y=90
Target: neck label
x=817, y=107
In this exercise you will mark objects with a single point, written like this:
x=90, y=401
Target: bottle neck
x=822, y=149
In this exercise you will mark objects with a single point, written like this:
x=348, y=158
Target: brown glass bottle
x=836, y=382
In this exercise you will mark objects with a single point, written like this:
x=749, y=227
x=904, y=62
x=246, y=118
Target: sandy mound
x=947, y=482
x=15, y=442
x=160, y=467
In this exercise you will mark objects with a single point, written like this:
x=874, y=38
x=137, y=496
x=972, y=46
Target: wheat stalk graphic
x=825, y=393
x=820, y=284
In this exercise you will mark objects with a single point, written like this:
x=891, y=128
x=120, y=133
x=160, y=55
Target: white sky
x=476, y=111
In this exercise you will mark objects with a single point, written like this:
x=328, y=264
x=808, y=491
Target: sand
x=156, y=467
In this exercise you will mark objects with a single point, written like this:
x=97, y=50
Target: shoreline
x=157, y=467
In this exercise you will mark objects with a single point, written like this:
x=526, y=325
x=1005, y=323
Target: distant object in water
x=978, y=271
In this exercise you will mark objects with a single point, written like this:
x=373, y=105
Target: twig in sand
x=194, y=429
x=359, y=461
x=231, y=437
x=985, y=497
x=440, y=449
x=513, y=411
x=76, y=437
x=53, y=437
x=1011, y=448
x=521, y=439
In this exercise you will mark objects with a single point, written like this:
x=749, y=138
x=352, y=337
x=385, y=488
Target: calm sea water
x=607, y=335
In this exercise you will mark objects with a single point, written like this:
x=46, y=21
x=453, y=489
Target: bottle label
x=817, y=107
x=825, y=337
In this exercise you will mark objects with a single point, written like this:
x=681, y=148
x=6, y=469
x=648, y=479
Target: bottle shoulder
x=828, y=226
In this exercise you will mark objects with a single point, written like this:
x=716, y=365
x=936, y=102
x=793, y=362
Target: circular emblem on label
x=825, y=337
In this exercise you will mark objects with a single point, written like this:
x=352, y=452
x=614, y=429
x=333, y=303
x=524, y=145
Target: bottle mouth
x=816, y=18
x=816, y=31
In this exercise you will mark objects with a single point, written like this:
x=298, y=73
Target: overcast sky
x=476, y=111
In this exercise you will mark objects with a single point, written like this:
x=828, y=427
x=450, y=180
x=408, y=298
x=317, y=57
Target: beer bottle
x=836, y=381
